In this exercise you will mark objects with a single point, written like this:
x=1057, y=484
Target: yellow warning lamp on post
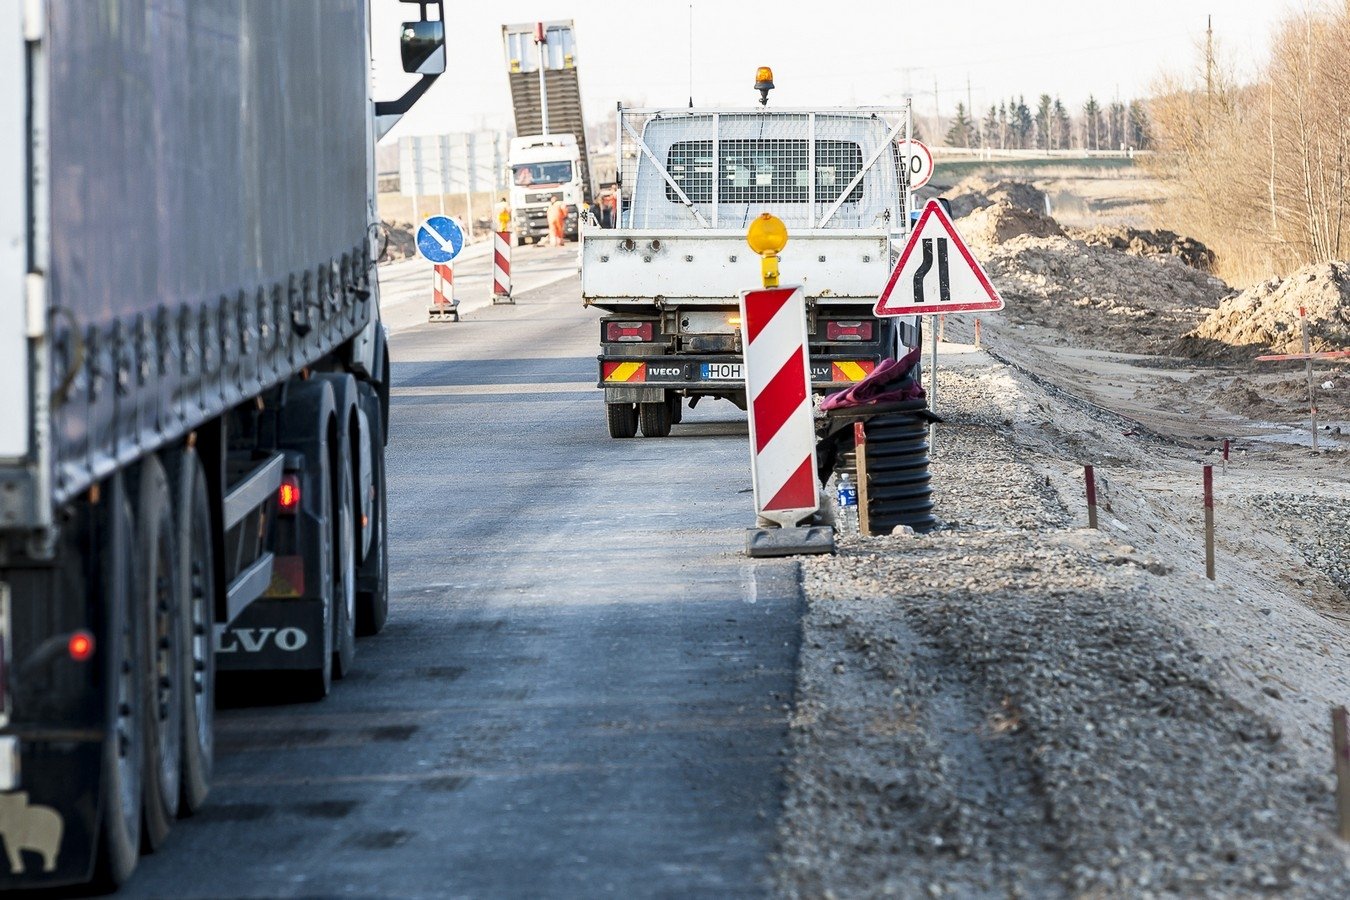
x=764, y=84
x=767, y=236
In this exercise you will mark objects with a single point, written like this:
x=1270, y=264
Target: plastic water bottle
x=847, y=496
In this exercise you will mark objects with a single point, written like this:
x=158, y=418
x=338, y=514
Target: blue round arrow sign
x=440, y=239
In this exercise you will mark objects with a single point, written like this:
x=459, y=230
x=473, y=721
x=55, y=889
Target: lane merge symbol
x=936, y=273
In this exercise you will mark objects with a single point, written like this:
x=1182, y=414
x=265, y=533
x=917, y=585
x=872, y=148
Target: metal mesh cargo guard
x=706, y=169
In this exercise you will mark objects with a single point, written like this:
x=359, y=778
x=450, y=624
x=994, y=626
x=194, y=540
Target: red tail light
x=80, y=646
x=288, y=495
x=848, y=331
x=616, y=332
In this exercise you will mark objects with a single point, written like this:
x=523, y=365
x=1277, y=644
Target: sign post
x=936, y=275
x=439, y=241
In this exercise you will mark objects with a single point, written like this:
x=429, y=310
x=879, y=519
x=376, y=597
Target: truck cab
x=544, y=167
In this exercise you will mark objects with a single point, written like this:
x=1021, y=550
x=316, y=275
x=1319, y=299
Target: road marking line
x=463, y=390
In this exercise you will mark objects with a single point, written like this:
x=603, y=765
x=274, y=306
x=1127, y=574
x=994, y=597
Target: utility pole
x=970, y=111
x=1209, y=66
x=937, y=115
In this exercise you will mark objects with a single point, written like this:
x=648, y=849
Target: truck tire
x=372, y=594
x=157, y=560
x=197, y=604
x=120, y=637
x=622, y=418
x=315, y=684
x=656, y=418
x=676, y=407
x=344, y=559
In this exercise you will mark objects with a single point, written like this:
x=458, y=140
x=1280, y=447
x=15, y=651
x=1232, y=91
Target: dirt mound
x=1267, y=314
x=1103, y=298
x=1003, y=221
x=976, y=192
x=402, y=240
x=1148, y=242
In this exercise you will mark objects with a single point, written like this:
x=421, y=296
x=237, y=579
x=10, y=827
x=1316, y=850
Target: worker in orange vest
x=557, y=221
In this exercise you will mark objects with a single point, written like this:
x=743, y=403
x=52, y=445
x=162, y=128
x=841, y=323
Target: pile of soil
x=1092, y=296
x=1268, y=314
x=976, y=192
x=402, y=240
x=1148, y=242
x=992, y=225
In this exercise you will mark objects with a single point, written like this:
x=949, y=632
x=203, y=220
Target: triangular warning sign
x=936, y=273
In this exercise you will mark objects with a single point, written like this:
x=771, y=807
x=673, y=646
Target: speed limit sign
x=918, y=160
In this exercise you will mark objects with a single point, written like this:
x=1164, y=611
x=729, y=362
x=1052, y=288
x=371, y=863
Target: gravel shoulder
x=1018, y=706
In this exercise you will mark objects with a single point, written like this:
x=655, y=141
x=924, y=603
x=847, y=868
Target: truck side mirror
x=423, y=47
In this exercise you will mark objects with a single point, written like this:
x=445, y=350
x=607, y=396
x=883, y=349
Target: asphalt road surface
x=584, y=684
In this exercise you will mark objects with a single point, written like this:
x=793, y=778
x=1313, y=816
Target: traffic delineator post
x=501, y=267
x=444, y=307
x=777, y=373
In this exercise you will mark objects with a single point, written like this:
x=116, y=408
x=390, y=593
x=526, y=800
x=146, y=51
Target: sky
x=839, y=53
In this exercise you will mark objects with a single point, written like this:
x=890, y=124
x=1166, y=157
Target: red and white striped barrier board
x=778, y=389
x=443, y=303
x=501, y=267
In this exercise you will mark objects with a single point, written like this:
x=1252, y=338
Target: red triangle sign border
x=933, y=208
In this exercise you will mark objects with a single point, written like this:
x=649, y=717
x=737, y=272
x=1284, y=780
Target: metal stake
x=1090, y=478
x=1340, y=744
x=1209, y=522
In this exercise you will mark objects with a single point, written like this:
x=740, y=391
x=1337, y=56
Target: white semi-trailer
x=194, y=394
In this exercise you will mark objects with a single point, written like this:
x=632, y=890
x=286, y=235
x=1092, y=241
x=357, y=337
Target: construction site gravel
x=1017, y=705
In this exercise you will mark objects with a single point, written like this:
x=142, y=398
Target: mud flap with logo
x=271, y=635
x=49, y=836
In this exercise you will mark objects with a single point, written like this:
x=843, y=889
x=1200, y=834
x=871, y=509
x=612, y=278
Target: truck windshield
x=542, y=173
x=763, y=171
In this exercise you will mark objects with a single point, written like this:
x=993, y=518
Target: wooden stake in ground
x=1225, y=456
x=1209, y=522
x=1312, y=397
x=1090, y=479
x=860, y=457
x=1341, y=745
x=977, y=333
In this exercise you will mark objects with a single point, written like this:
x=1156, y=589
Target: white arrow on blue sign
x=440, y=239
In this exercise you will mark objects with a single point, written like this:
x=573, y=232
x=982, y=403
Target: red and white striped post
x=778, y=393
x=444, y=306
x=501, y=267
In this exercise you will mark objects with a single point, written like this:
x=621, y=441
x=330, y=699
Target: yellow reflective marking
x=852, y=371
x=624, y=371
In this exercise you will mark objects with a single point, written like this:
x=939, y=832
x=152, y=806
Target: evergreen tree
x=1063, y=129
x=1092, y=124
x=1138, y=132
x=990, y=126
x=1003, y=125
x=1115, y=125
x=1044, y=114
x=962, y=131
x=1023, y=125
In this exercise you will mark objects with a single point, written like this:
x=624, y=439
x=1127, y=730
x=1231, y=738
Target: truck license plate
x=722, y=372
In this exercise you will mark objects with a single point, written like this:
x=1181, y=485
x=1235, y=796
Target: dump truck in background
x=671, y=274
x=548, y=157
x=194, y=386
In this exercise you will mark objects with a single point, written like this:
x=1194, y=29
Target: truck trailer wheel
x=344, y=559
x=197, y=604
x=372, y=582
x=119, y=842
x=157, y=560
x=656, y=418
x=622, y=419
